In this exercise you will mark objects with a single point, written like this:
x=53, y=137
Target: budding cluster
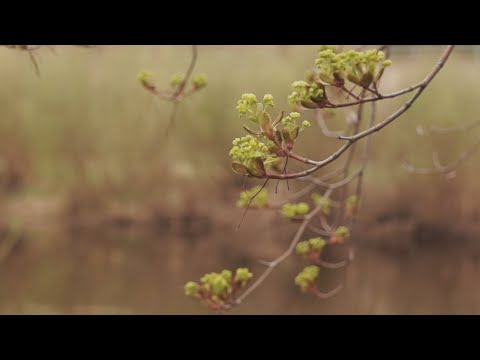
x=293, y=210
x=217, y=289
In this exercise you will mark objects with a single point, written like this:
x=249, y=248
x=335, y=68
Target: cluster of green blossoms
x=333, y=69
x=311, y=249
x=218, y=289
x=293, y=210
x=176, y=81
x=306, y=279
x=260, y=198
x=309, y=94
x=251, y=154
x=361, y=68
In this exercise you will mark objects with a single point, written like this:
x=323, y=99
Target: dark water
x=129, y=271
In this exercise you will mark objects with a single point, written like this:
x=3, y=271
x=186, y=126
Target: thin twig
x=272, y=265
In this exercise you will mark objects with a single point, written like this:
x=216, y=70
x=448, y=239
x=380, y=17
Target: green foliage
x=306, y=279
x=260, y=200
x=293, y=210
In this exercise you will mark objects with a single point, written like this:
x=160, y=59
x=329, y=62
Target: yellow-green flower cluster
x=361, y=68
x=305, y=124
x=306, y=279
x=290, y=122
x=292, y=210
x=308, y=246
x=216, y=288
x=248, y=147
x=323, y=202
x=246, y=103
x=242, y=277
x=268, y=101
x=260, y=200
x=249, y=106
x=307, y=93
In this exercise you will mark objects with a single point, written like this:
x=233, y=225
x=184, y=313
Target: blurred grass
x=86, y=130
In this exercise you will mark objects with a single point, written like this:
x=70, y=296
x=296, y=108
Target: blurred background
x=100, y=214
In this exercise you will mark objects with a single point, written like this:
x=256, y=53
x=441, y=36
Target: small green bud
x=268, y=100
x=305, y=124
x=227, y=275
x=191, y=288
x=317, y=243
x=241, y=108
x=299, y=85
x=200, y=81
x=145, y=78
x=293, y=98
x=250, y=99
x=343, y=231
x=177, y=79
x=352, y=201
x=307, y=277
x=295, y=115
x=303, y=208
x=242, y=276
x=219, y=285
x=302, y=248
x=387, y=63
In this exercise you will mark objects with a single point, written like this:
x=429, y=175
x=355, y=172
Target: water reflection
x=125, y=271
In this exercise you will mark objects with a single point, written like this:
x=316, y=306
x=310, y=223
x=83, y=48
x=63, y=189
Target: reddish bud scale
x=313, y=256
x=337, y=239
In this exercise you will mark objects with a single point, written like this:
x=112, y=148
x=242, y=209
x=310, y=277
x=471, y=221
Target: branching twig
x=438, y=168
x=424, y=131
x=272, y=265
